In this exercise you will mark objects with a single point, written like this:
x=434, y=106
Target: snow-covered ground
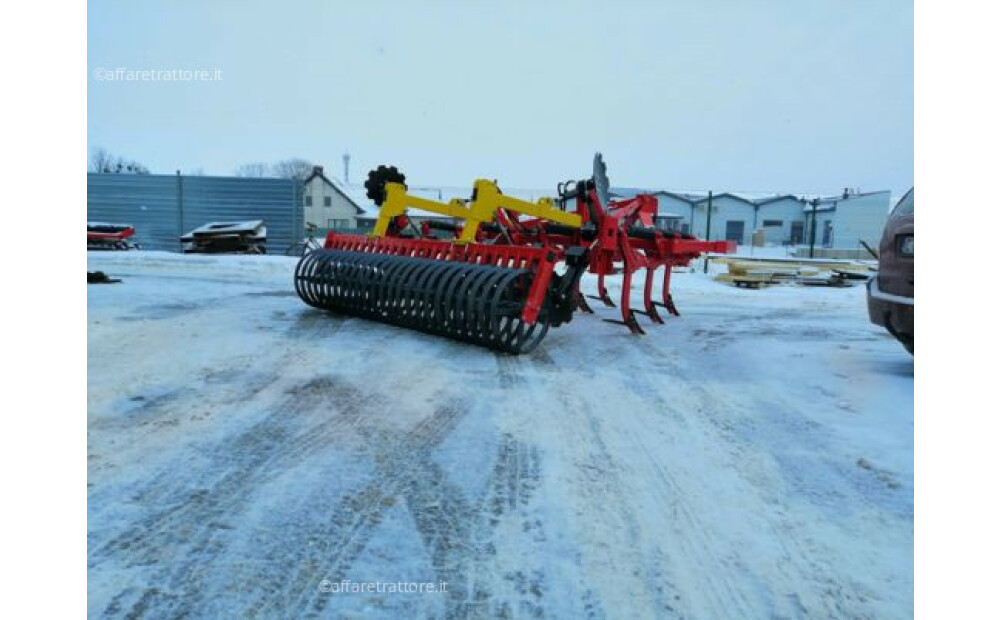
x=750, y=459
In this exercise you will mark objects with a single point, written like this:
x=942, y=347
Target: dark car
x=890, y=293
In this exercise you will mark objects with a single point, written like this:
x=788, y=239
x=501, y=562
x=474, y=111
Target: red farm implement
x=101, y=236
x=499, y=296
x=493, y=279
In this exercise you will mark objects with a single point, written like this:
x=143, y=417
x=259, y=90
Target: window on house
x=327, y=201
x=338, y=224
x=770, y=223
x=309, y=201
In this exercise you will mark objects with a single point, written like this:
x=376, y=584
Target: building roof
x=725, y=195
x=683, y=197
x=765, y=201
x=829, y=203
x=317, y=172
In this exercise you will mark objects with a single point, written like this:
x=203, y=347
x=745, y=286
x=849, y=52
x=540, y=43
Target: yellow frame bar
x=488, y=200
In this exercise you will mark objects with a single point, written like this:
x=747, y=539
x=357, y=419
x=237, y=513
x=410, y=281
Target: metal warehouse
x=842, y=222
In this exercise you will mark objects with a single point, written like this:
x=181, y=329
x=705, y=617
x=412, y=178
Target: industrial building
x=842, y=221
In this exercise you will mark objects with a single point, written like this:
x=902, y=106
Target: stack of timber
x=756, y=273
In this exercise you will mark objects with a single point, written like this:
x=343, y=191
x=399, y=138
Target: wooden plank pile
x=753, y=273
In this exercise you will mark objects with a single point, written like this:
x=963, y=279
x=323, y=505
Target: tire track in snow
x=183, y=543
x=608, y=498
x=595, y=469
x=727, y=596
x=605, y=485
x=444, y=518
x=404, y=471
x=182, y=540
x=800, y=563
x=509, y=490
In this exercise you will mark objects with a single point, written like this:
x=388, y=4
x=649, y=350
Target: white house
x=326, y=205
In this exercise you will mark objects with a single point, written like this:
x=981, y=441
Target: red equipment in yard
x=496, y=285
x=499, y=296
x=101, y=236
x=619, y=235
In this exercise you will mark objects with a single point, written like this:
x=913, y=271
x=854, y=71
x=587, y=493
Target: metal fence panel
x=148, y=202
x=233, y=199
x=163, y=207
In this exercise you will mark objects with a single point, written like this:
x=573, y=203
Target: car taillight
x=906, y=246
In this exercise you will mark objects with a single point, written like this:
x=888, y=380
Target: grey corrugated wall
x=163, y=207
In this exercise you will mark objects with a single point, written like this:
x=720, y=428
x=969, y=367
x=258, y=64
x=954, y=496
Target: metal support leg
x=668, y=300
x=602, y=293
x=647, y=297
x=628, y=317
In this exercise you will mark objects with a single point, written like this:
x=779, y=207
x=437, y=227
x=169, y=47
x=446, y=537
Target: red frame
x=611, y=246
x=540, y=261
x=118, y=236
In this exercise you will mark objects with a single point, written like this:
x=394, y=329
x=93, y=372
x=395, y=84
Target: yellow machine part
x=488, y=200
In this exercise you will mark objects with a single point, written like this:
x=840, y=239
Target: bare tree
x=253, y=169
x=104, y=162
x=100, y=160
x=293, y=168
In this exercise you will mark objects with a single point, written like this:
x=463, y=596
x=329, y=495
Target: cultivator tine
x=647, y=298
x=669, y=306
x=628, y=315
x=602, y=293
x=630, y=322
x=668, y=299
x=633, y=324
x=651, y=312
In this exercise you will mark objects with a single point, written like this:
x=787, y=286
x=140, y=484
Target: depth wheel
x=375, y=185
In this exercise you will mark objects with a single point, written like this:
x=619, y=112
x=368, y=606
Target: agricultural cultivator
x=507, y=272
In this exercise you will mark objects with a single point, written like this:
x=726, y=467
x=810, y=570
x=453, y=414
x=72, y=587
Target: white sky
x=768, y=95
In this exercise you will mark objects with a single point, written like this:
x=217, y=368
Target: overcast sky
x=766, y=95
